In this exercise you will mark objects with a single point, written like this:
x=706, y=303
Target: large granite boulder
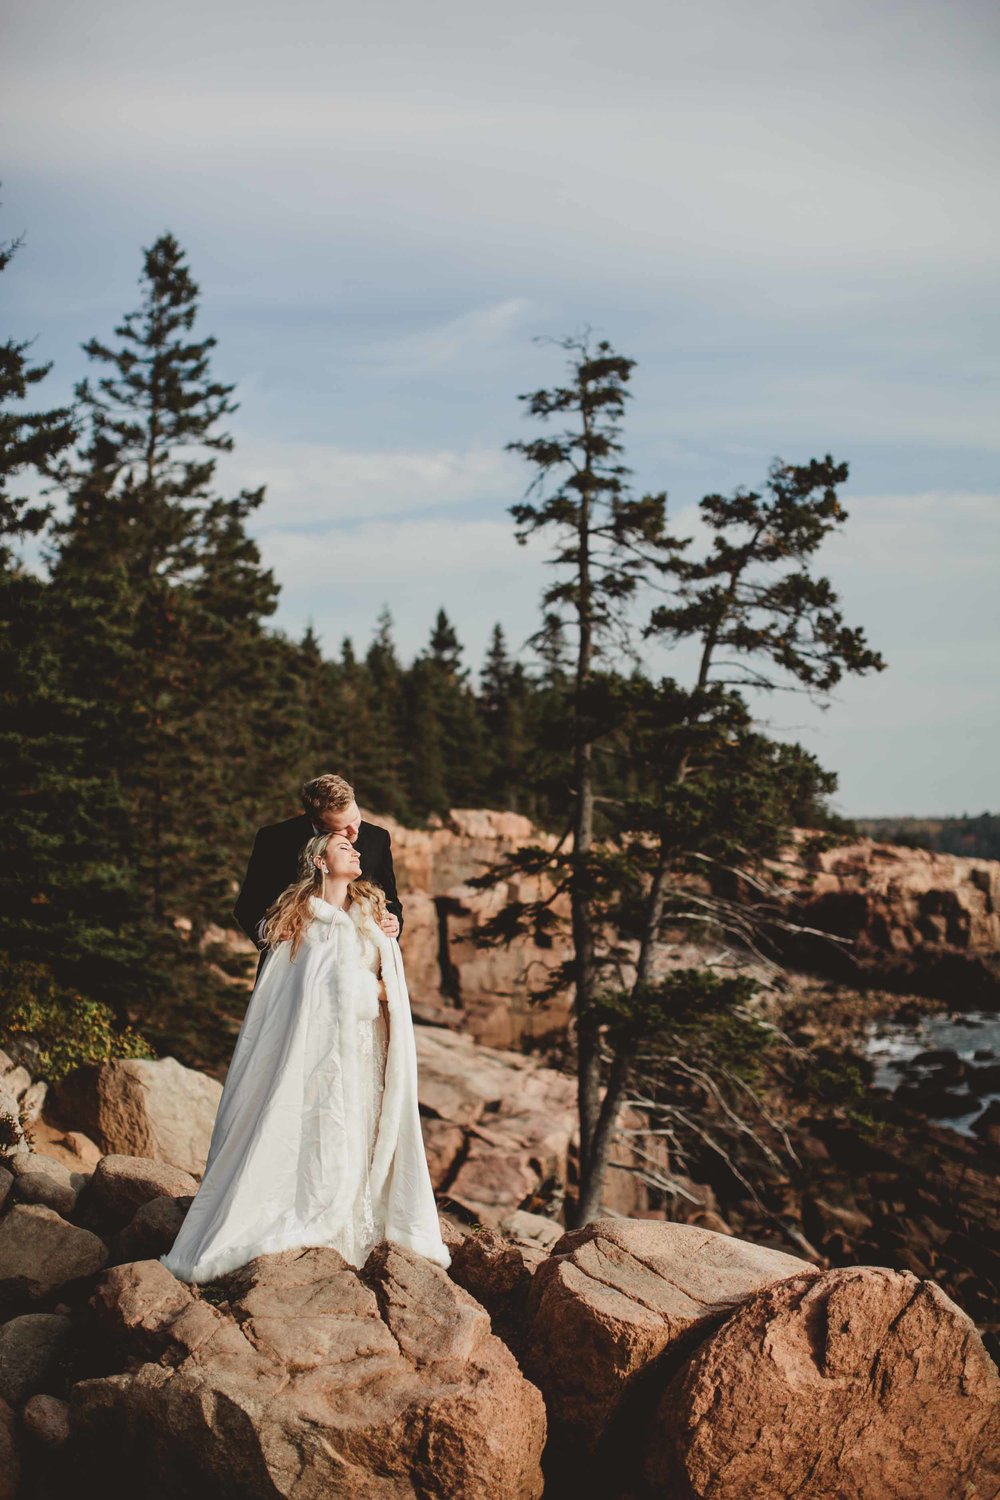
x=308, y=1379
x=856, y=1384
x=497, y=1272
x=139, y=1106
x=618, y=1295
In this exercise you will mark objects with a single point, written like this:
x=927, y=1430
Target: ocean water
x=965, y=1033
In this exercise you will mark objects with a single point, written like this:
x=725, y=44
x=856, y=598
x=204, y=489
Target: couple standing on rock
x=317, y=1137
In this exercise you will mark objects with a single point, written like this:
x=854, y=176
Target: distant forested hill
x=978, y=836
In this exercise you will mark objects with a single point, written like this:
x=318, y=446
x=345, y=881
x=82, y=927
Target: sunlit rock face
x=309, y=1379
x=931, y=921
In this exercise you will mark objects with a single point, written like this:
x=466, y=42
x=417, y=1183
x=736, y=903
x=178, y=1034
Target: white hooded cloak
x=298, y=1144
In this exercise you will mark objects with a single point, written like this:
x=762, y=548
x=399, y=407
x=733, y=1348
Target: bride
x=317, y=1136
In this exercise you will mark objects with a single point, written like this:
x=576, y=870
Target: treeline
x=977, y=836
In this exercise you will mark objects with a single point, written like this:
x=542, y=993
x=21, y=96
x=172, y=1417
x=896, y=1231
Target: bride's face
x=342, y=859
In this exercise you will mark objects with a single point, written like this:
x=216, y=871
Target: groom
x=329, y=807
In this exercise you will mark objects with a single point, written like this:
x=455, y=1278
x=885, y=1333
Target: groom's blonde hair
x=326, y=794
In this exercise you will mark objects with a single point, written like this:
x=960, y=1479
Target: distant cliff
x=976, y=836
x=910, y=918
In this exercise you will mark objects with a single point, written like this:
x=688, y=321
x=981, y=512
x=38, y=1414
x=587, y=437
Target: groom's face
x=345, y=820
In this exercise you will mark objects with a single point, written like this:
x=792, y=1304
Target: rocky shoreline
x=631, y=1360
x=877, y=1182
x=634, y=1359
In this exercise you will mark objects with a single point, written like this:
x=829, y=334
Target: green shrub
x=52, y=1029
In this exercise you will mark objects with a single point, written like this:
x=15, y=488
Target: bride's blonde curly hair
x=288, y=918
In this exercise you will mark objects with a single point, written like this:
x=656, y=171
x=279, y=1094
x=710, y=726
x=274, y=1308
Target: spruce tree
x=66, y=897
x=444, y=649
x=450, y=697
x=351, y=744
x=149, y=545
x=604, y=544
x=30, y=441
x=693, y=786
x=503, y=698
x=384, y=788
x=426, y=768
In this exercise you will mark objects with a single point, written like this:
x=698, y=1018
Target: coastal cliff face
x=454, y=980
x=909, y=916
x=929, y=920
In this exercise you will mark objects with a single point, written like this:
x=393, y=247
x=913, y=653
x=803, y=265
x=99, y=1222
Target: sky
x=785, y=213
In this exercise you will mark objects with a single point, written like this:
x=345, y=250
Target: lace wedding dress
x=317, y=1136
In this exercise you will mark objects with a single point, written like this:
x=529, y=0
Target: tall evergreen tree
x=150, y=546
x=66, y=899
x=30, y=441
x=503, y=698
x=351, y=745
x=694, y=783
x=494, y=680
x=444, y=649
x=604, y=544
x=449, y=697
x=426, y=769
x=384, y=788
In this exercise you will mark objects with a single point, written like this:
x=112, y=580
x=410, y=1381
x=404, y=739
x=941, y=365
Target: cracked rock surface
x=309, y=1379
x=856, y=1384
x=619, y=1294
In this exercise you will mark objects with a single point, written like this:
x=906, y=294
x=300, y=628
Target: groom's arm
x=386, y=878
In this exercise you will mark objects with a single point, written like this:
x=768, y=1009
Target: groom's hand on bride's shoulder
x=390, y=924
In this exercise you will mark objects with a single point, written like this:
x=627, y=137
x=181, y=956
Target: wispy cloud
x=939, y=540
x=311, y=485
x=453, y=342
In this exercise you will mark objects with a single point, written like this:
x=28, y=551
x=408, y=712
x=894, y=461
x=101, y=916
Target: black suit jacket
x=274, y=864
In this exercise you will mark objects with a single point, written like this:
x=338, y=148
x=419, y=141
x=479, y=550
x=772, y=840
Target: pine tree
x=605, y=543
x=30, y=441
x=449, y=697
x=503, y=698
x=494, y=680
x=384, y=788
x=444, y=649
x=693, y=784
x=425, y=765
x=66, y=897
x=350, y=743
x=149, y=546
